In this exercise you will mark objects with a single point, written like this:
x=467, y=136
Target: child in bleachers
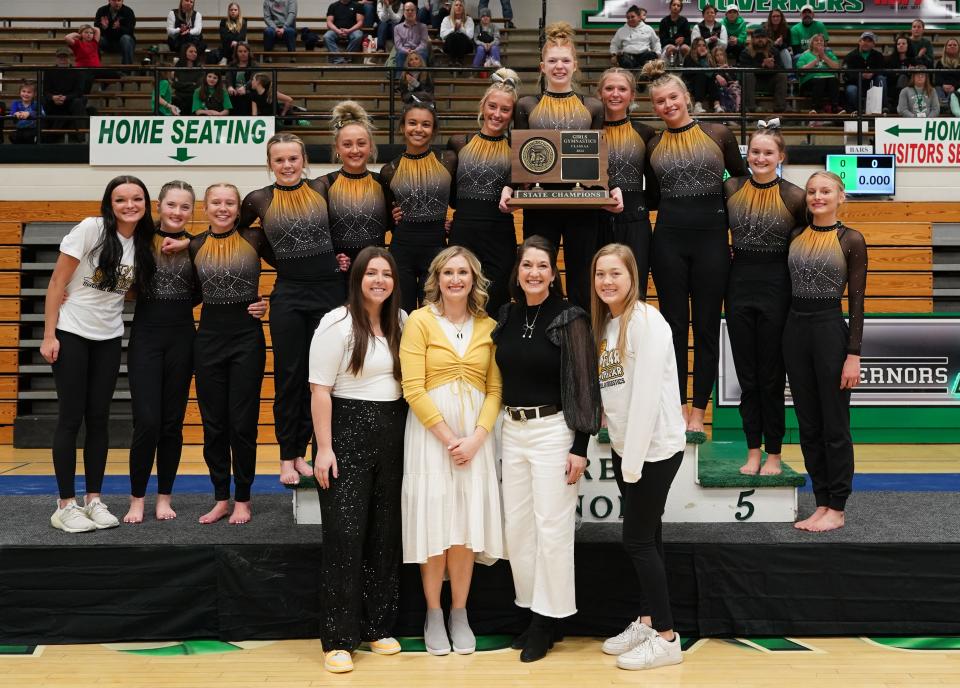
x=164, y=94
x=729, y=87
x=263, y=104
x=211, y=98
x=85, y=44
x=24, y=113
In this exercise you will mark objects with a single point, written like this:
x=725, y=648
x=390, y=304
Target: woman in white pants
x=552, y=398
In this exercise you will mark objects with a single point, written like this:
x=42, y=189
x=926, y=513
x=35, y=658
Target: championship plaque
x=573, y=163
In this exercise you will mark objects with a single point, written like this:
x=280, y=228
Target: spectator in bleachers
x=948, y=71
x=778, y=31
x=902, y=57
x=24, y=113
x=85, y=44
x=816, y=82
x=730, y=91
x=918, y=99
x=762, y=54
x=187, y=77
x=264, y=105
x=63, y=101
x=710, y=30
x=505, y=7
x=703, y=85
x=864, y=56
x=802, y=33
x=736, y=28
x=233, y=31
x=211, y=98
x=414, y=85
x=411, y=36
x=117, y=22
x=185, y=25
x=433, y=12
x=922, y=47
x=456, y=32
x=241, y=71
x=344, y=23
x=635, y=43
x=488, y=42
x=280, y=17
x=163, y=97
x=369, y=8
x=954, y=104
x=675, y=34
x=390, y=13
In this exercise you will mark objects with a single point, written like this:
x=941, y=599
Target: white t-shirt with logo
x=643, y=410
x=90, y=311
x=330, y=353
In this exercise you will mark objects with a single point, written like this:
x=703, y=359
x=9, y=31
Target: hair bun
x=346, y=112
x=558, y=31
x=507, y=77
x=653, y=70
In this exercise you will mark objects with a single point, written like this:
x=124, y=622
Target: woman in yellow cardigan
x=450, y=498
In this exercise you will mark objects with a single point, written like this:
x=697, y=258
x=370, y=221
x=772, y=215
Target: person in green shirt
x=816, y=82
x=736, y=33
x=922, y=47
x=211, y=99
x=164, y=93
x=800, y=34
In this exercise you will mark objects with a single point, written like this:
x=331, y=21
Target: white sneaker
x=72, y=519
x=717, y=107
x=633, y=635
x=98, y=512
x=655, y=652
x=698, y=108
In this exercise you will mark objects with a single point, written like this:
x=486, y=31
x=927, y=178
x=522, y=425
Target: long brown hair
x=599, y=311
x=362, y=331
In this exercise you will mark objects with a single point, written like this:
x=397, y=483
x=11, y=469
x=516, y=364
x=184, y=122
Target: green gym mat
x=719, y=466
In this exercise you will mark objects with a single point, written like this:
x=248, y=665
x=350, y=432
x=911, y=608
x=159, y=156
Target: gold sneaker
x=385, y=646
x=338, y=662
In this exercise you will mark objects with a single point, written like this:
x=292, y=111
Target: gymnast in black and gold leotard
x=690, y=255
x=763, y=211
x=419, y=187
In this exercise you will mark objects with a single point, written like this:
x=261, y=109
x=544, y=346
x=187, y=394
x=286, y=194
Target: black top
x=173, y=289
x=128, y=22
x=358, y=209
x=238, y=76
x=422, y=186
x=558, y=111
x=823, y=262
x=855, y=60
x=670, y=29
x=227, y=36
x=344, y=14
x=627, y=152
x=62, y=81
x=763, y=217
x=556, y=366
x=483, y=170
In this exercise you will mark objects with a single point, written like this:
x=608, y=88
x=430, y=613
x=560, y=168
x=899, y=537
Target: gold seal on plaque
x=538, y=155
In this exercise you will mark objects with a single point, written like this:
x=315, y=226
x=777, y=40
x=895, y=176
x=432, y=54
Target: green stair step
x=719, y=466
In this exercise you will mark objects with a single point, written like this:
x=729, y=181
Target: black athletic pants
x=229, y=364
x=690, y=269
x=758, y=299
x=580, y=231
x=361, y=524
x=495, y=245
x=814, y=350
x=160, y=366
x=636, y=234
x=85, y=374
x=643, y=505
x=295, y=311
x=413, y=264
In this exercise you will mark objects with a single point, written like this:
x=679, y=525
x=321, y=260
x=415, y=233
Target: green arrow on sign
x=182, y=156
x=896, y=130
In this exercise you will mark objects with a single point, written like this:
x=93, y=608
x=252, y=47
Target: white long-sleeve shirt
x=174, y=30
x=643, y=410
x=721, y=39
x=633, y=41
x=386, y=12
x=446, y=27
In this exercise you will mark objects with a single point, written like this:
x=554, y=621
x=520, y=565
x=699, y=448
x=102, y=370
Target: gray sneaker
x=72, y=519
x=434, y=634
x=98, y=512
x=461, y=636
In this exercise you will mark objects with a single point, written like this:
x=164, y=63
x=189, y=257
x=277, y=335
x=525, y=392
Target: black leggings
x=160, y=366
x=643, y=505
x=580, y=232
x=229, y=366
x=295, y=311
x=85, y=373
x=636, y=234
x=814, y=350
x=820, y=90
x=495, y=245
x=360, y=515
x=413, y=264
x=758, y=298
x=690, y=269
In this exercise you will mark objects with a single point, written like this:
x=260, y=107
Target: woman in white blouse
x=456, y=32
x=641, y=400
x=358, y=416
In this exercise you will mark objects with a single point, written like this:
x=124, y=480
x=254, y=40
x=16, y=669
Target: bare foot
x=303, y=468
x=135, y=513
x=219, y=510
x=807, y=523
x=772, y=465
x=288, y=472
x=695, y=419
x=831, y=520
x=241, y=513
x=164, y=511
x=752, y=466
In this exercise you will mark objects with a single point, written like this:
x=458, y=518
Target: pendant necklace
x=527, y=325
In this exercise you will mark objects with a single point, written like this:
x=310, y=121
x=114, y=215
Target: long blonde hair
x=505, y=81
x=600, y=313
x=234, y=26
x=949, y=62
x=476, y=299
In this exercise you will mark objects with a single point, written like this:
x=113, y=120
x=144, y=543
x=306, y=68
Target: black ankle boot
x=539, y=639
x=520, y=641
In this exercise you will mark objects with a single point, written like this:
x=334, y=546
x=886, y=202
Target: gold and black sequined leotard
x=558, y=111
x=358, y=210
x=763, y=217
x=627, y=152
x=172, y=291
x=421, y=185
x=483, y=169
x=823, y=262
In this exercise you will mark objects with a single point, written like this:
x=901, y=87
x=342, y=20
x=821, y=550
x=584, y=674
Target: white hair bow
x=768, y=124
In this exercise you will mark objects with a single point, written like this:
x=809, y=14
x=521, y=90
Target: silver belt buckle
x=523, y=415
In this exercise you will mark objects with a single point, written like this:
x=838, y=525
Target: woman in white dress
x=450, y=495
